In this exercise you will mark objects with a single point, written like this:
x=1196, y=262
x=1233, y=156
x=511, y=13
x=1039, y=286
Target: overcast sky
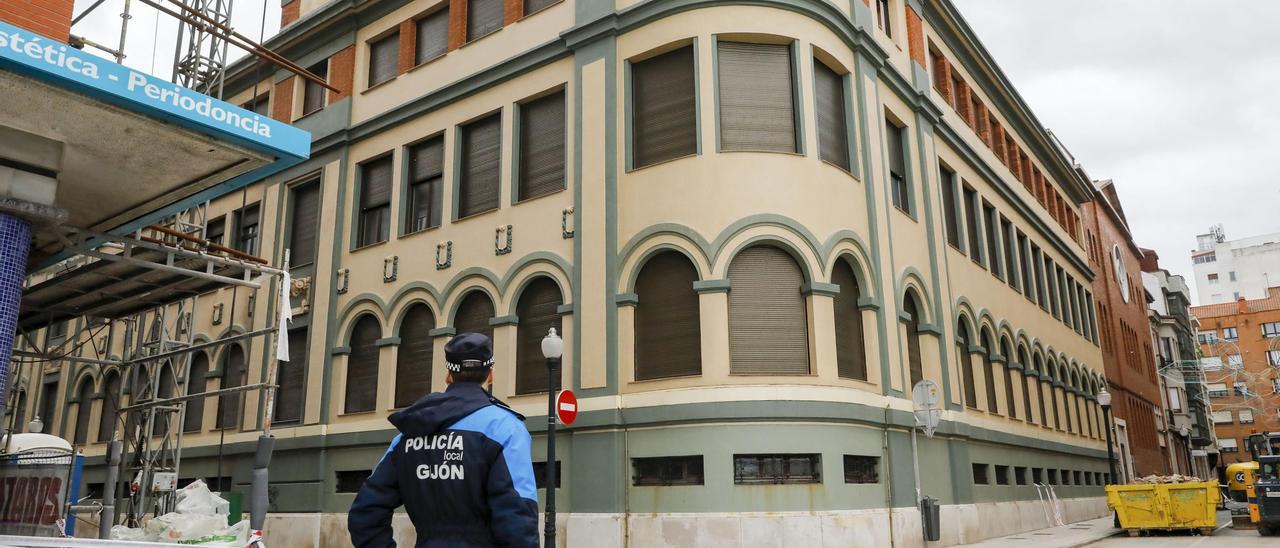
x=1173, y=99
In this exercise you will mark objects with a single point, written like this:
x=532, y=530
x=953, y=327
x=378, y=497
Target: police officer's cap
x=468, y=352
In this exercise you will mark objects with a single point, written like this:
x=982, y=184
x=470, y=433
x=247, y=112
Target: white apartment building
x=1227, y=270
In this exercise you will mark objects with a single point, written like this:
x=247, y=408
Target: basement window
x=1020, y=475
x=540, y=474
x=777, y=469
x=980, y=474
x=656, y=471
x=861, y=469
x=350, y=481
x=1002, y=474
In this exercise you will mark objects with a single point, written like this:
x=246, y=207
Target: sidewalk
x=1079, y=533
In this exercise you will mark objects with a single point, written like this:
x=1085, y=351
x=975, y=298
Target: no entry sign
x=566, y=407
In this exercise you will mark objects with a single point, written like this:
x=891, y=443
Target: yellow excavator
x=1261, y=481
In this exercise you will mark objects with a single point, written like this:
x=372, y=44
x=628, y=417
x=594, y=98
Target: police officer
x=460, y=465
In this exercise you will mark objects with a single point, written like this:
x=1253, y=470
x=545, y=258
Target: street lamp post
x=552, y=349
x=1104, y=399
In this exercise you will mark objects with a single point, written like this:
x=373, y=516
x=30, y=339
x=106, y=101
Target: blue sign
x=70, y=68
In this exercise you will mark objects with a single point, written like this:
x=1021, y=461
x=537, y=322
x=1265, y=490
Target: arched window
x=1045, y=391
x=110, y=405
x=362, y=366
x=537, y=310
x=164, y=390
x=913, y=338
x=1027, y=383
x=84, y=411
x=1076, y=398
x=196, y=383
x=1008, y=378
x=414, y=357
x=473, y=315
x=668, y=330
x=1053, y=394
x=233, y=375
x=988, y=374
x=851, y=355
x=768, y=328
x=966, y=364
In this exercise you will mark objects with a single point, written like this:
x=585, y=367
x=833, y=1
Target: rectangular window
x=1064, y=295
x=1024, y=262
x=949, y=213
x=350, y=481
x=757, y=111
x=663, y=108
x=1037, y=475
x=384, y=59
x=894, y=138
x=1053, y=476
x=861, y=469
x=1234, y=361
x=1212, y=363
x=1010, y=260
x=980, y=474
x=533, y=6
x=777, y=468
x=432, y=35
x=1075, y=477
x=1210, y=337
x=1066, y=477
x=1271, y=329
x=1051, y=273
x=291, y=379
x=1228, y=445
x=1175, y=399
x=1216, y=389
x=426, y=185
x=971, y=224
x=1246, y=416
x=1002, y=474
x=247, y=229
x=1093, y=319
x=990, y=226
x=1230, y=334
x=1273, y=358
x=1038, y=266
x=259, y=105
x=1074, y=289
x=540, y=475
x=313, y=94
x=833, y=133
x=304, y=222
x=884, y=18
x=657, y=471
x=481, y=153
x=215, y=230
x=542, y=146
x=484, y=17
x=1222, y=417
x=1241, y=389
x=375, y=202
x=1020, y=475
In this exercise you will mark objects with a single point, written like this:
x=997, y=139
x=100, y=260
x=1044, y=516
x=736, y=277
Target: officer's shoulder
x=503, y=405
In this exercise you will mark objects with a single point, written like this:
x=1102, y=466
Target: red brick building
x=1240, y=345
x=52, y=18
x=1124, y=332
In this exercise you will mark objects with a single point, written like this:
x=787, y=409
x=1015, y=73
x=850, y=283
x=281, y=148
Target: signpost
x=924, y=403
x=566, y=407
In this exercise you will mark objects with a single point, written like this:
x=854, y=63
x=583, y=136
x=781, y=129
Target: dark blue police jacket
x=461, y=468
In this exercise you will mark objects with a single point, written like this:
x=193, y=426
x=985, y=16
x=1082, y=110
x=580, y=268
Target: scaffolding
x=143, y=289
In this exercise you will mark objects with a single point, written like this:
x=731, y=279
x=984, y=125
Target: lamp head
x=552, y=345
x=1104, y=398
x=36, y=425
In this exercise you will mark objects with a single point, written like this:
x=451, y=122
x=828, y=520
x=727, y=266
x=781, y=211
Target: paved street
x=1224, y=536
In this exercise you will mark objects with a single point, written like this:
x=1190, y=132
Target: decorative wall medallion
x=498, y=247
x=444, y=255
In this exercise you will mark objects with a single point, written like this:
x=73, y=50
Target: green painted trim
x=715, y=89
x=819, y=288
x=868, y=303
x=797, y=97
x=627, y=299
x=447, y=331
x=565, y=309
x=932, y=329
x=864, y=69
x=500, y=321
x=387, y=341
x=996, y=358
x=340, y=351
x=712, y=286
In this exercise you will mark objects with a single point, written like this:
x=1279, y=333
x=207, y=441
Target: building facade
x=758, y=225
x=1240, y=348
x=1187, y=429
x=1124, y=329
x=1227, y=270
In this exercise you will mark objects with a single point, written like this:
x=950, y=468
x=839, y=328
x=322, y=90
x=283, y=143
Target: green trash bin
x=236, y=501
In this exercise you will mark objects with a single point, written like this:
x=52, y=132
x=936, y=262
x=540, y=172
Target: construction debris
x=1176, y=478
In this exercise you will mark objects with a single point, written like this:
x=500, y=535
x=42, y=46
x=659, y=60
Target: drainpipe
x=888, y=472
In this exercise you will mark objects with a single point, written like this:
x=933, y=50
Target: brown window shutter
x=988, y=375
x=426, y=185
x=914, y=365
x=833, y=135
x=481, y=170
x=414, y=359
x=966, y=366
x=851, y=356
x=313, y=94
x=756, y=97
x=384, y=59
x=668, y=331
x=291, y=376
x=196, y=382
x=542, y=146
x=664, y=109
x=233, y=375
x=110, y=406
x=84, y=412
x=537, y=310
x=432, y=36
x=282, y=107
x=531, y=6
x=473, y=315
x=484, y=17
x=362, y=366
x=304, y=222
x=375, y=200
x=768, y=328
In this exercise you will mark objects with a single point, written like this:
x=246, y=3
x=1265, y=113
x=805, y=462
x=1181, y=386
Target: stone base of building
x=961, y=524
